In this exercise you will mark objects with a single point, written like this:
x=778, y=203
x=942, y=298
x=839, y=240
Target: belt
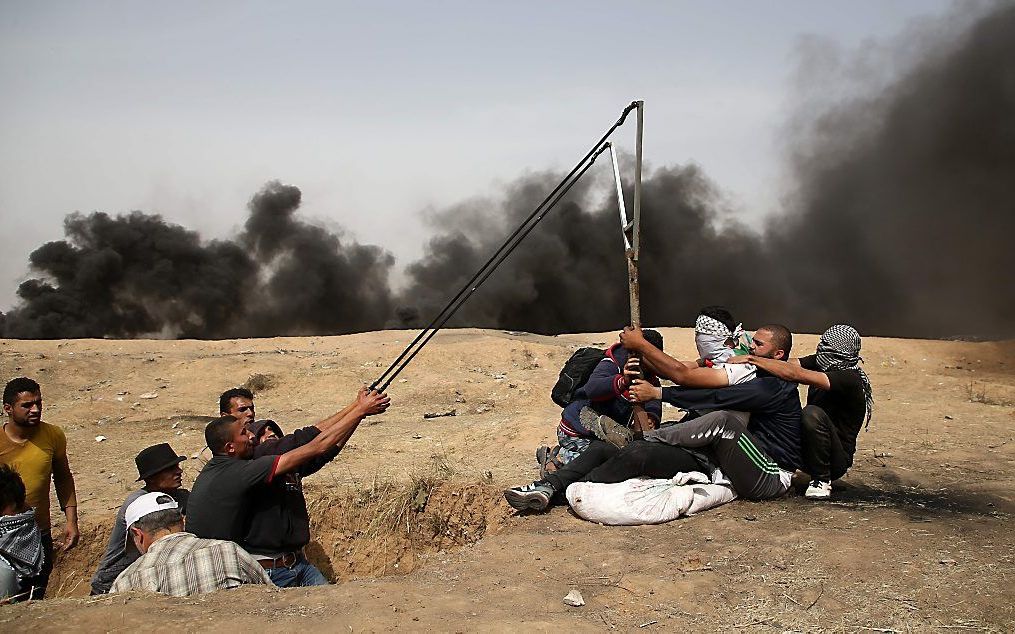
x=285, y=560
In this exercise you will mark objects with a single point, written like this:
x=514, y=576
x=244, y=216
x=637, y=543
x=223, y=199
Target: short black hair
x=720, y=314
x=217, y=434
x=653, y=337
x=12, y=488
x=228, y=395
x=781, y=337
x=17, y=386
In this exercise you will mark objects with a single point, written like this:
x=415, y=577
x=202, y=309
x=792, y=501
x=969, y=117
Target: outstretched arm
x=667, y=367
x=328, y=422
x=787, y=370
x=368, y=402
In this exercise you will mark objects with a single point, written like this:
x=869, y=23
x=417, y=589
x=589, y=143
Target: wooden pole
x=640, y=419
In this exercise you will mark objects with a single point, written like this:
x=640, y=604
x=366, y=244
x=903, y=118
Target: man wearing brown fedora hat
x=159, y=467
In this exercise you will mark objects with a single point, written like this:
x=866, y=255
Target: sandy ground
x=409, y=518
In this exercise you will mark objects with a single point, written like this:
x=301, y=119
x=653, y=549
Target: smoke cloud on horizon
x=899, y=223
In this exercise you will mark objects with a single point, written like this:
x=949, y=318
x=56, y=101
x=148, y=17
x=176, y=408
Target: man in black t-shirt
x=839, y=401
x=219, y=504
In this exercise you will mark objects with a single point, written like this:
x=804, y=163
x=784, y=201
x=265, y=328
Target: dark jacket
x=774, y=406
x=606, y=393
x=278, y=520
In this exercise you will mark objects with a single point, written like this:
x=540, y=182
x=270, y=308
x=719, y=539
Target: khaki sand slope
x=410, y=519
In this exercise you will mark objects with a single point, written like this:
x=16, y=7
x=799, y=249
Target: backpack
x=575, y=373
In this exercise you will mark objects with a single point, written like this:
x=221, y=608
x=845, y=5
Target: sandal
x=548, y=461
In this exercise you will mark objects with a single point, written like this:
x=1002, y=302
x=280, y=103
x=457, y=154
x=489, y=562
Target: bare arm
x=334, y=418
x=65, y=493
x=791, y=371
x=337, y=433
x=665, y=366
x=687, y=364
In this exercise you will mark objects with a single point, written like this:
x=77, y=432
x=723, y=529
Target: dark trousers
x=602, y=462
x=753, y=474
x=37, y=585
x=825, y=457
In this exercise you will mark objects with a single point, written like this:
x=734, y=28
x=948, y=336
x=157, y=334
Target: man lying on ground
x=604, y=393
x=229, y=489
x=757, y=457
x=839, y=400
x=177, y=563
x=159, y=467
x=21, y=556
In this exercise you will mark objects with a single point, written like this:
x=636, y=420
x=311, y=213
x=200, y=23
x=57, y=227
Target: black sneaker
x=531, y=497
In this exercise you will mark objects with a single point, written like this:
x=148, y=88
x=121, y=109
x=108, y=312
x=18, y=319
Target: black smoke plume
x=905, y=212
x=570, y=274
x=900, y=222
x=136, y=274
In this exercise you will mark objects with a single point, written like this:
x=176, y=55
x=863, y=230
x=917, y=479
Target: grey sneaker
x=605, y=428
x=818, y=490
x=531, y=497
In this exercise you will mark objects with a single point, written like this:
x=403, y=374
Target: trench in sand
x=364, y=531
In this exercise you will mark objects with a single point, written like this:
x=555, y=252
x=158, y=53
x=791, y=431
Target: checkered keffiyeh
x=21, y=544
x=711, y=326
x=839, y=349
x=181, y=564
x=711, y=337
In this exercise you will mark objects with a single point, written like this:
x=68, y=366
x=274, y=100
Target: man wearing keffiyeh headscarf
x=21, y=556
x=839, y=403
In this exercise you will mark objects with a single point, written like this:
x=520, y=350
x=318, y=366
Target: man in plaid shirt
x=177, y=563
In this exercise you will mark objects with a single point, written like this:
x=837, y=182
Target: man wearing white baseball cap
x=177, y=563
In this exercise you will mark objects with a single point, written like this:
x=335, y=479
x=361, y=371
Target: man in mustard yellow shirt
x=38, y=452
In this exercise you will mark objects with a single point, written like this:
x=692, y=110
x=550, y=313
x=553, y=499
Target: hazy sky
x=380, y=110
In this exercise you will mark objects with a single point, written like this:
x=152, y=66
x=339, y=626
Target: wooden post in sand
x=631, y=230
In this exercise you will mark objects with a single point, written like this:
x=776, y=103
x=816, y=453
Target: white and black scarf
x=839, y=349
x=710, y=337
x=21, y=544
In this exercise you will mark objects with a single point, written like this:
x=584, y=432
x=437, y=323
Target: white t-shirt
x=738, y=373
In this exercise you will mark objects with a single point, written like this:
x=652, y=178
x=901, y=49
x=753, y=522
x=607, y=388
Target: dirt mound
x=388, y=529
x=72, y=570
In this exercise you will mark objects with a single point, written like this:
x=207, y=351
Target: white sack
x=640, y=501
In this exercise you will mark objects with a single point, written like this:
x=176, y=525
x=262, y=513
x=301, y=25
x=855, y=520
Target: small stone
x=149, y=395
x=750, y=518
x=449, y=412
x=947, y=417
x=574, y=598
x=100, y=438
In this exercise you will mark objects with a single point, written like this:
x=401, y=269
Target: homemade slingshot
x=630, y=230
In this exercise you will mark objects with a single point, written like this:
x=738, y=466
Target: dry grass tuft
x=260, y=382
